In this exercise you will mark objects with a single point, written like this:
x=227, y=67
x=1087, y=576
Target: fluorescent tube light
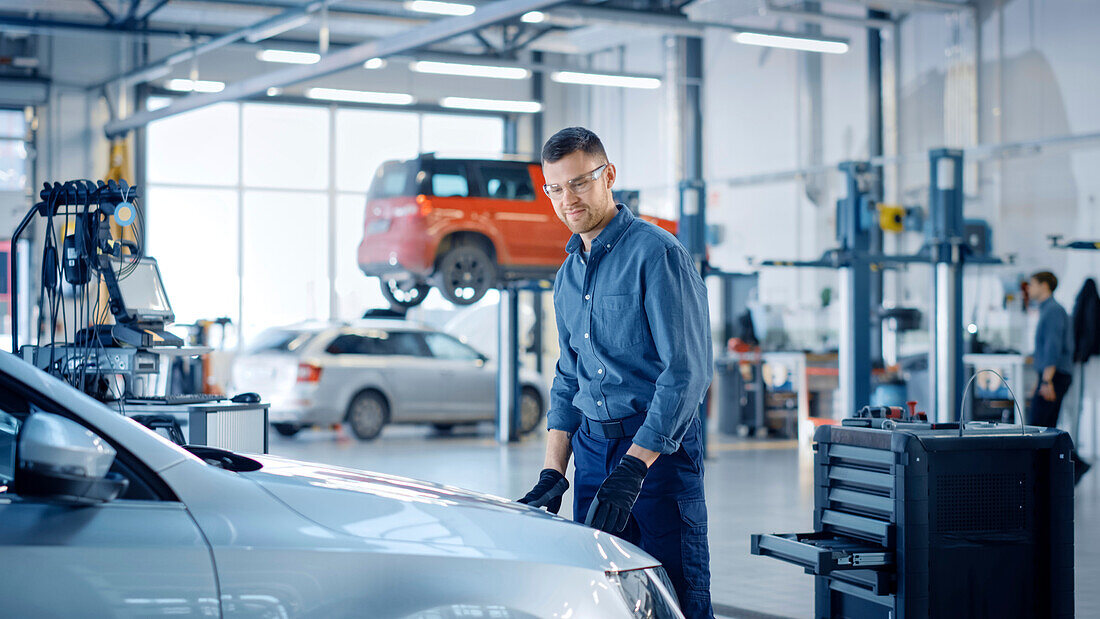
x=185, y=85
x=276, y=28
x=288, y=56
x=440, y=8
x=491, y=105
x=792, y=41
x=374, y=63
x=601, y=79
x=360, y=96
x=471, y=70
x=533, y=17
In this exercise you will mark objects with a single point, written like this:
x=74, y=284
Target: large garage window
x=255, y=210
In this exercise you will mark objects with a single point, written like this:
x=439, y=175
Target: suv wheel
x=530, y=410
x=403, y=293
x=367, y=414
x=466, y=273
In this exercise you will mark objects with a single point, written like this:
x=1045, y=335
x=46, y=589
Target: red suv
x=463, y=225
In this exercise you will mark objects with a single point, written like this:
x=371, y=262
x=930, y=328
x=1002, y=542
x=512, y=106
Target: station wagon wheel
x=466, y=273
x=530, y=410
x=367, y=414
x=403, y=293
x=286, y=429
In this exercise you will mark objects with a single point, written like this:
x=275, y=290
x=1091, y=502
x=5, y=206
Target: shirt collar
x=609, y=236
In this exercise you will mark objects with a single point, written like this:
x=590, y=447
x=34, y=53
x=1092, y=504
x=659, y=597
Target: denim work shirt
x=634, y=332
x=1053, y=338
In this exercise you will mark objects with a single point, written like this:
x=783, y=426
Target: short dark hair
x=571, y=140
x=1046, y=277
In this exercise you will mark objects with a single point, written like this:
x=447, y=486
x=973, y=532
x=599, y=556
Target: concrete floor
x=752, y=487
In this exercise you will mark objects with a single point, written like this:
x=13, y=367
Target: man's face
x=1037, y=291
x=591, y=209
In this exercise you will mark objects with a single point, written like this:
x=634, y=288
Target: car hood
x=443, y=519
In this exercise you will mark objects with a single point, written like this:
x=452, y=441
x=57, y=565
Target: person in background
x=1053, y=357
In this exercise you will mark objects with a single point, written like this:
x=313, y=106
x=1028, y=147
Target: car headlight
x=648, y=593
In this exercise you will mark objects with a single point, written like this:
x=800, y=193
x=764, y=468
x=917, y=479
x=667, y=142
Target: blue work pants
x=669, y=520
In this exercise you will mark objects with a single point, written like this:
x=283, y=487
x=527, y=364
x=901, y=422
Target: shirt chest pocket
x=617, y=321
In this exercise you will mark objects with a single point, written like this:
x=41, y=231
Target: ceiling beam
x=415, y=38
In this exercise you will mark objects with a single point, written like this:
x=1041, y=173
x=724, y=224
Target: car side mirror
x=63, y=461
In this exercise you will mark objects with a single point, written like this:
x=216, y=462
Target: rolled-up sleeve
x=563, y=415
x=675, y=303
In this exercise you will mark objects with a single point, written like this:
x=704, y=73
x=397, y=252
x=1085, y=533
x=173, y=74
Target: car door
x=534, y=236
x=138, y=555
x=466, y=384
x=373, y=359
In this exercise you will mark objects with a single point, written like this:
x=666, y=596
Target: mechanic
x=635, y=363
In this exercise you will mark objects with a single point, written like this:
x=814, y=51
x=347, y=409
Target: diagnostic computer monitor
x=137, y=291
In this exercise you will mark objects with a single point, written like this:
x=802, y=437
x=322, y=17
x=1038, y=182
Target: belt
x=619, y=428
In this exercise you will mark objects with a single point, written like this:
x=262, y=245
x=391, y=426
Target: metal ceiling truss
x=416, y=38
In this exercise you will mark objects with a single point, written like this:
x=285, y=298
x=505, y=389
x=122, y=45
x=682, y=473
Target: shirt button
x=586, y=336
x=587, y=297
x=609, y=245
x=599, y=371
x=599, y=402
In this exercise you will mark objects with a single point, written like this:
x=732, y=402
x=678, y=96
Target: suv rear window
x=449, y=179
x=394, y=179
x=507, y=182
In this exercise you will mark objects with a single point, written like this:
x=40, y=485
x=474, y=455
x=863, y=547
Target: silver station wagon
x=376, y=372
x=100, y=517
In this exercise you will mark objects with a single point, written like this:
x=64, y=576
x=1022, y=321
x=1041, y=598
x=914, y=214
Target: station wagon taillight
x=309, y=373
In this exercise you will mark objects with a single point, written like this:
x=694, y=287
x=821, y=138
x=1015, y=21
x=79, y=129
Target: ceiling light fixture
x=287, y=56
x=440, y=8
x=786, y=40
x=533, y=17
x=274, y=91
x=360, y=96
x=491, y=105
x=276, y=27
x=603, y=79
x=186, y=85
x=374, y=63
x=470, y=70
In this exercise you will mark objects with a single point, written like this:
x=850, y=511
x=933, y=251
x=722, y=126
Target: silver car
x=375, y=372
x=101, y=517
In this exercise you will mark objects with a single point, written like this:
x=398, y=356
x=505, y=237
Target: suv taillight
x=309, y=373
x=425, y=205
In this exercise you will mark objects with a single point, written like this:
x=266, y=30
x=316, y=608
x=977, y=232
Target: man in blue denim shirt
x=1053, y=358
x=635, y=362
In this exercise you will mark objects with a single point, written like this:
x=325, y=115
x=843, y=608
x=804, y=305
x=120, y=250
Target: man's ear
x=609, y=175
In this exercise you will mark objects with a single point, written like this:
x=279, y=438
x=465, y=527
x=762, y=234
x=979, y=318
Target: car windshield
x=281, y=340
x=9, y=428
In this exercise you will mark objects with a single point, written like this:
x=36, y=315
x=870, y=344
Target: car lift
x=946, y=247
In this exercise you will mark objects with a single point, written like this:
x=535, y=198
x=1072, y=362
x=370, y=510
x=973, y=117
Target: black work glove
x=548, y=492
x=610, y=509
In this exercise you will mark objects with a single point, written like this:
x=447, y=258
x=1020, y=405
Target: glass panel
x=507, y=182
x=355, y=292
x=195, y=148
x=449, y=180
x=279, y=340
x=13, y=124
x=285, y=146
x=193, y=235
x=447, y=347
x=285, y=258
x=366, y=138
x=395, y=178
x=408, y=344
x=9, y=429
x=467, y=135
x=13, y=165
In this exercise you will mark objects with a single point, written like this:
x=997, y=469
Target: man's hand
x=1047, y=391
x=611, y=507
x=548, y=491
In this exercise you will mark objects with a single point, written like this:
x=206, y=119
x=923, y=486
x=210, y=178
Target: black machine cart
x=916, y=520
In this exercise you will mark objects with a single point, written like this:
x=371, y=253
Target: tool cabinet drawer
x=821, y=553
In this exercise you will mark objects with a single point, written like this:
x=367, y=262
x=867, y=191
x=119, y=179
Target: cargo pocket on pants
x=695, y=553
